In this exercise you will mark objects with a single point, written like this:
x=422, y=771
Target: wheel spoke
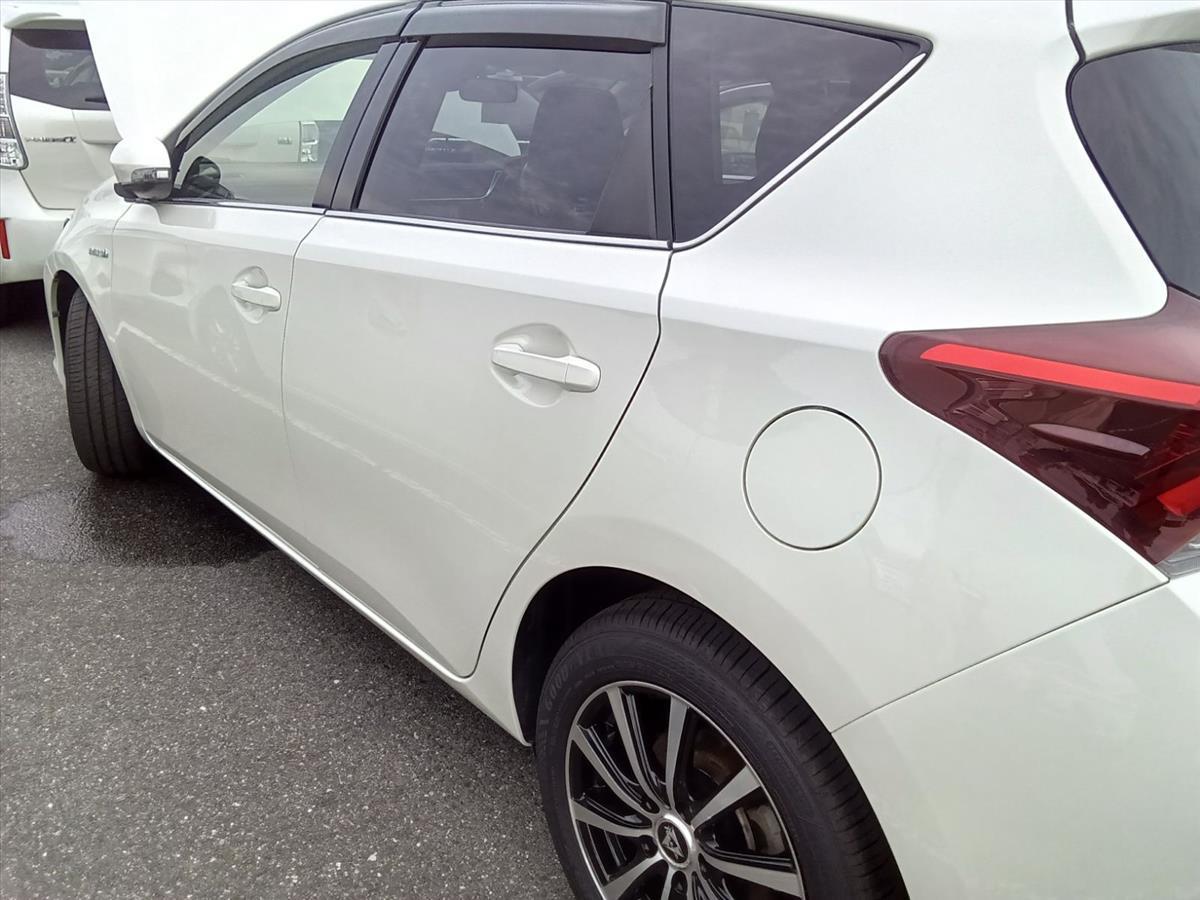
x=668, y=883
x=735, y=790
x=622, y=885
x=606, y=821
x=675, y=722
x=624, y=712
x=598, y=756
x=703, y=889
x=778, y=875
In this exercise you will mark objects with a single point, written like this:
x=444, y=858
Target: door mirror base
x=143, y=169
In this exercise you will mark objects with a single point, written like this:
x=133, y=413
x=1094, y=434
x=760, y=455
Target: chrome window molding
x=244, y=204
x=502, y=231
x=824, y=141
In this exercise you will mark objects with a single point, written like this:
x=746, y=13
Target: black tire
x=657, y=640
x=102, y=428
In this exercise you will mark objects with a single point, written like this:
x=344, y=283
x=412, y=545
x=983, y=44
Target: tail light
x=1105, y=413
x=12, y=154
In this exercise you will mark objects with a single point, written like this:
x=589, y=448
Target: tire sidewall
x=604, y=657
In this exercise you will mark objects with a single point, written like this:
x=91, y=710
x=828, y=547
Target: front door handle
x=574, y=373
x=264, y=297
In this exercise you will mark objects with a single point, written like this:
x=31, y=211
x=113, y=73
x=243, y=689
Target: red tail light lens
x=1105, y=413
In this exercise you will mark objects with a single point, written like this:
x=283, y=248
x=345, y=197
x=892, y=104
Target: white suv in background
x=56, y=132
x=784, y=415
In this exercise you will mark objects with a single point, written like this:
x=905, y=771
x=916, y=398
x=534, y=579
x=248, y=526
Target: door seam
x=588, y=477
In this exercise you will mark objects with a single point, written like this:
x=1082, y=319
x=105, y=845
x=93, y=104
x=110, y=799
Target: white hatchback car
x=784, y=415
x=56, y=131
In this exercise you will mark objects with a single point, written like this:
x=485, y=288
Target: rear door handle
x=574, y=373
x=264, y=297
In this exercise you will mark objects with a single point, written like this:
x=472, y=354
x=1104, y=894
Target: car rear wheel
x=676, y=762
x=102, y=428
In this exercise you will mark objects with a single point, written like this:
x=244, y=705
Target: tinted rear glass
x=751, y=93
x=54, y=65
x=1139, y=114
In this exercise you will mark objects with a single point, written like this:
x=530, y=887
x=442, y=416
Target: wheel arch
x=560, y=607
x=553, y=614
x=62, y=291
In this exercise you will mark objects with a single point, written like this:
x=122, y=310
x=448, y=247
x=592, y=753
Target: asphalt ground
x=186, y=713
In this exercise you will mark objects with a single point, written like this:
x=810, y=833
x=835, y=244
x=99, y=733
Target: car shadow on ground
x=188, y=711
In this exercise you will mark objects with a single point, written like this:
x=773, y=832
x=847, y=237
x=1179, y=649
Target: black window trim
x=921, y=43
x=362, y=150
x=921, y=46
x=617, y=23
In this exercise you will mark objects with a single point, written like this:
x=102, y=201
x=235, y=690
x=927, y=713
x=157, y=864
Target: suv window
x=1139, y=114
x=272, y=148
x=524, y=137
x=55, y=66
x=750, y=93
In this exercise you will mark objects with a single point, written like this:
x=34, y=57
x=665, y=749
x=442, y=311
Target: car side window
x=750, y=93
x=525, y=137
x=271, y=149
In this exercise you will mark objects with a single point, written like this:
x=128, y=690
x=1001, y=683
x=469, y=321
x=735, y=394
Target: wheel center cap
x=674, y=840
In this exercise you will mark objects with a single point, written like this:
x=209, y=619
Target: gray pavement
x=185, y=713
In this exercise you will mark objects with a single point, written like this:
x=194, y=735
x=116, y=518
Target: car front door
x=202, y=282
x=469, y=323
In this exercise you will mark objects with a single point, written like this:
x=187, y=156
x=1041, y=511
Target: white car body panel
x=1047, y=771
x=862, y=239
x=201, y=368
x=90, y=229
x=68, y=151
x=1108, y=26
x=417, y=454
x=31, y=229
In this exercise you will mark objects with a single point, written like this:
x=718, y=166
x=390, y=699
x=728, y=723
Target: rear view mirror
x=143, y=169
x=490, y=90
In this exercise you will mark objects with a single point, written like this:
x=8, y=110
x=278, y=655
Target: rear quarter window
x=752, y=92
x=55, y=66
x=1139, y=116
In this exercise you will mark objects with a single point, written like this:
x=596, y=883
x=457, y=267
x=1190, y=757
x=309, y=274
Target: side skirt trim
x=457, y=682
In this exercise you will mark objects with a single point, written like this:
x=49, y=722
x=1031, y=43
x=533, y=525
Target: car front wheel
x=676, y=762
x=106, y=439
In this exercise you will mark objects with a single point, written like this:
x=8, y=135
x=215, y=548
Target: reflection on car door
x=202, y=364
x=451, y=377
x=201, y=289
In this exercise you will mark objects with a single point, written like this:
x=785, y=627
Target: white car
x=56, y=131
x=795, y=437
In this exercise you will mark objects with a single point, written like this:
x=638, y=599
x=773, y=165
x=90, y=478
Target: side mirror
x=143, y=169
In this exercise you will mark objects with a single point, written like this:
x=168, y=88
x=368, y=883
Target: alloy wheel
x=665, y=806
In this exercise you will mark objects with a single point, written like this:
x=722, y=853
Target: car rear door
x=59, y=107
x=471, y=319
x=202, y=282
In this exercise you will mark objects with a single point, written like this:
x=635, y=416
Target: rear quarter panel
x=965, y=198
